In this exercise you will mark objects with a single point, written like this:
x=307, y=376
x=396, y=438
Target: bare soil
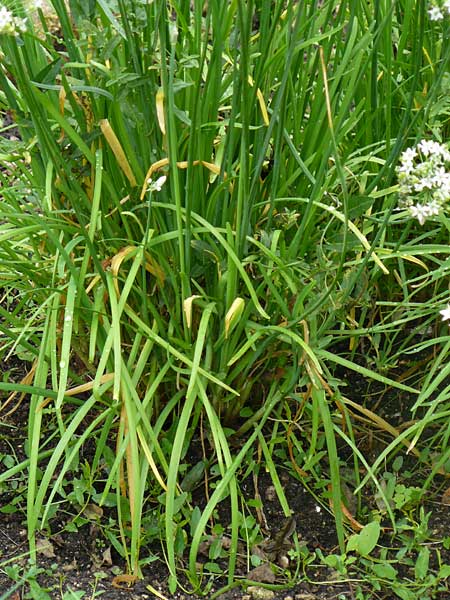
x=71, y=562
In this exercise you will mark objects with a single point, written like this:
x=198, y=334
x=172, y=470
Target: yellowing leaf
x=262, y=102
x=153, y=267
x=233, y=314
x=262, y=106
x=187, y=307
x=183, y=164
x=117, y=260
x=117, y=149
x=160, y=111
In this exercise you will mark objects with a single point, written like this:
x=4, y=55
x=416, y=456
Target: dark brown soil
x=82, y=562
x=75, y=561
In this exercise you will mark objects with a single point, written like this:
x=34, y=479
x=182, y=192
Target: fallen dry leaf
x=93, y=511
x=73, y=566
x=446, y=497
x=106, y=556
x=45, y=547
x=263, y=574
x=127, y=580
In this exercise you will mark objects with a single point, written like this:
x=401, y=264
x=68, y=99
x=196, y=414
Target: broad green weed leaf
x=405, y=594
x=172, y=584
x=353, y=543
x=385, y=571
x=193, y=476
x=444, y=572
x=423, y=560
x=368, y=537
x=366, y=540
x=213, y=567
x=195, y=518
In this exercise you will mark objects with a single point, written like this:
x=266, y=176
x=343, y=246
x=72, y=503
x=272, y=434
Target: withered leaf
x=263, y=573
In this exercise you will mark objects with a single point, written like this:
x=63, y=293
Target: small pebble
x=283, y=561
x=271, y=493
x=259, y=593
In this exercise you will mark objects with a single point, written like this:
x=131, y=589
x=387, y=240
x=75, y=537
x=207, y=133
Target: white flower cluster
x=438, y=10
x=12, y=25
x=424, y=179
x=9, y=24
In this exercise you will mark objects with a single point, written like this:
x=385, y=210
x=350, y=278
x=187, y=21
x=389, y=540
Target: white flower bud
x=155, y=186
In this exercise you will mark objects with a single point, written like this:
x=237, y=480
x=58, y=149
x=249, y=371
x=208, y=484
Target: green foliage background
x=221, y=300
